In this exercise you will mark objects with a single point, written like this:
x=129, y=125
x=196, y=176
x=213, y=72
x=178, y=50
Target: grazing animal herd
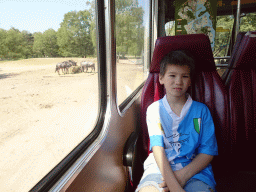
x=65, y=65
x=86, y=65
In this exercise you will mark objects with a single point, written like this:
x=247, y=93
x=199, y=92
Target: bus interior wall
x=105, y=170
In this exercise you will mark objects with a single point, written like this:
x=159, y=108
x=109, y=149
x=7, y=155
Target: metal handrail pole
x=238, y=18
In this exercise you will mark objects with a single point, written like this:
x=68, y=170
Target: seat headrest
x=198, y=45
x=246, y=58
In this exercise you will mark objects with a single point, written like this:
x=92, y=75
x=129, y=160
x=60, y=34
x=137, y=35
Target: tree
x=14, y=44
x=45, y=44
x=170, y=28
x=50, y=43
x=129, y=27
x=38, y=46
x=248, y=23
x=73, y=37
x=28, y=44
x=93, y=25
x=222, y=38
x=3, y=48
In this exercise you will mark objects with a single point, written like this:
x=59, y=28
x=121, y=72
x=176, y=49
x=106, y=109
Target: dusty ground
x=43, y=115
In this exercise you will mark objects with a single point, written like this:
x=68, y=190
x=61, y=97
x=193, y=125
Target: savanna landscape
x=44, y=115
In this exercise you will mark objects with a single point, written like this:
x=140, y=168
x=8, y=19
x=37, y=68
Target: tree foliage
x=93, y=25
x=28, y=41
x=129, y=28
x=248, y=23
x=38, y=46
x=50, y=43
x=73, y=37
x=76, y=37
x=15, y=44
x=45, y=44
x=222, y=39
x=170, y=28
x=3, y=47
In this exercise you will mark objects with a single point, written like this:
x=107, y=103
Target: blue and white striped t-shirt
x=182, y=137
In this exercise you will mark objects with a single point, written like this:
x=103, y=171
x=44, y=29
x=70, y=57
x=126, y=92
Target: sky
x=36, y=15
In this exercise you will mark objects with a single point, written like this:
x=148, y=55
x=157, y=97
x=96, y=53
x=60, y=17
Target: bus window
x=248, y=22
x=222, y=40
x=170, y=28
x=223, y=34
x=49, y=86
x=132, y=45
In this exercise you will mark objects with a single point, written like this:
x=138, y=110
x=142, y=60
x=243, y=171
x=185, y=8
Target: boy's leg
x=195, y=185
x=149, y=189
x=150, y=183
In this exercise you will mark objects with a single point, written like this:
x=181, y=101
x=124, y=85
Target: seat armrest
x=130, y=149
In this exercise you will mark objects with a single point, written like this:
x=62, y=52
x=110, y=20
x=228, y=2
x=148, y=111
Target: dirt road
x=43, y=116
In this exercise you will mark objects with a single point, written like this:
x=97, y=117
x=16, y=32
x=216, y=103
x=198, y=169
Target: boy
x=181, y=134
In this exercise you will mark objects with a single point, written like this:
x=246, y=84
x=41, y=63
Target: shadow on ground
x=7, y=75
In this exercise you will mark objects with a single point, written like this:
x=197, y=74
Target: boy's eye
x=186, y=76
x=172, y=75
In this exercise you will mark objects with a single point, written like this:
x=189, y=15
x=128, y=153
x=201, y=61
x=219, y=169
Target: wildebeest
x=86, y=65
x=73, y=63
x=64, y=66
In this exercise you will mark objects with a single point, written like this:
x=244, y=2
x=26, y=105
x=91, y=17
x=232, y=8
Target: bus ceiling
x=224, y=7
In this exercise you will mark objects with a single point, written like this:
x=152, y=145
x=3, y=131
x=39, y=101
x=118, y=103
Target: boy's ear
x=160, y=79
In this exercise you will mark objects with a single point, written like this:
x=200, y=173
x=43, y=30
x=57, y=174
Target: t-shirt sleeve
x=208, y=144
x=155, y=130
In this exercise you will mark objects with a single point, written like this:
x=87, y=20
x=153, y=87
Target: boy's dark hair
x=179, y=57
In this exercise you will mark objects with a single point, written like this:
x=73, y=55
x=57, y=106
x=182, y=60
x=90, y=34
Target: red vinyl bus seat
x=207, y=87
x=226, y=75
x=242, y=107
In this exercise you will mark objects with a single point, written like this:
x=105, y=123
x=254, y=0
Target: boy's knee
x=150, y=188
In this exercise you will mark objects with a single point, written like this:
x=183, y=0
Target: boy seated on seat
x=181, y=133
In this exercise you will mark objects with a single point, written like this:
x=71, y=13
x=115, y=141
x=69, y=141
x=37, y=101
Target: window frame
x=55, y=175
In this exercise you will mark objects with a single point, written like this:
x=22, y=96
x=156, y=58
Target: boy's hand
x=180, y=176
x=164, y=186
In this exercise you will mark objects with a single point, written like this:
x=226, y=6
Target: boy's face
x=176, y=80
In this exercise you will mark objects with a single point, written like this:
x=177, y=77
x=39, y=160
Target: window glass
x=49, y=102
x=222, y=40
x=248, y=22
x=223, y=34
x=132, y=45
x=170, y=28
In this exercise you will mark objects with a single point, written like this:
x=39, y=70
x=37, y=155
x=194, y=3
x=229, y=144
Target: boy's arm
x=166, y=170
x=207, y=145
x=200, y=162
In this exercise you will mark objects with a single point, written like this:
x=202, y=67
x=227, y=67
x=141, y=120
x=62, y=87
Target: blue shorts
x=193, y=185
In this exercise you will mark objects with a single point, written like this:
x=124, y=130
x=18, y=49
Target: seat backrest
x=207, y=86
x=242, y=98
x=226, y=75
